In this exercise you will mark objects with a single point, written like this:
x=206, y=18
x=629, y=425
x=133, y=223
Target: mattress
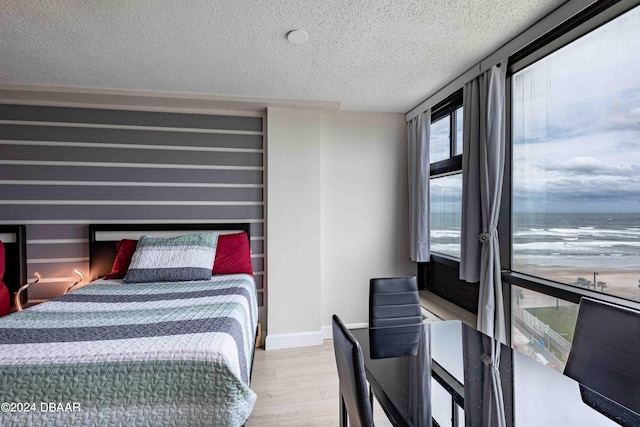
x=156, y=354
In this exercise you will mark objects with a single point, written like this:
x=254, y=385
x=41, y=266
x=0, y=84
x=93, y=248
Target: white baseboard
x=304, y=339
x=299, y=339
x=327, y=331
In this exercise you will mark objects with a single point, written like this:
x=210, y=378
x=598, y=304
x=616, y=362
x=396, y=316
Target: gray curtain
x=418, y=143
x=482, y=171
x=493, y=408
x=471, y=217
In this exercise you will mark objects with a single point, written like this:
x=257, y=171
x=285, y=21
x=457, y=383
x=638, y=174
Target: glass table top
x=410, y=369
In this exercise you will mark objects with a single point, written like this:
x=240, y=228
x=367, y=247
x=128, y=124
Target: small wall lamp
x=16, y=297
x=73, y=285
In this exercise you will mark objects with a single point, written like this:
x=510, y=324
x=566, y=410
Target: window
x=458, y=133
x=576, y=162
x=542, y=326
x=439, y=145
x=445, y=184
x=445, y=209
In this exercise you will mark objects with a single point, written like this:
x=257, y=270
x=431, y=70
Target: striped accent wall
x=64, y=168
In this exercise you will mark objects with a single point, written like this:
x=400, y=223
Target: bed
x=117, y=352
x=14, y=242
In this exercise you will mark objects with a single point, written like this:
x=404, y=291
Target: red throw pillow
x=5, y=298
x=2, y=259
x=233, y=254
x=126, y=248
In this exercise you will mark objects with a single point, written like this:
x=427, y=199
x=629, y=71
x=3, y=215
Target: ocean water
x=586, y=241
x=589, y=241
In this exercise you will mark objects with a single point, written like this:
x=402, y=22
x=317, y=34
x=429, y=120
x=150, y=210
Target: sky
x=576, y=124
x=576, y=127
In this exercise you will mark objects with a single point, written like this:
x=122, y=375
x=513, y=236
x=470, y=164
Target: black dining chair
x=354, y=395
x=394, y=301
x=605, y=353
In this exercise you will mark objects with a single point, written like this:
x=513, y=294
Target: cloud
x=629, y=121
x=567, y=192
x=591, y=167
x=552, y=177
x=629, y=145
x=584, y=164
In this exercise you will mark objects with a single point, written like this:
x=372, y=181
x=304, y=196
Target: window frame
x=591, y=18
x=453, y=164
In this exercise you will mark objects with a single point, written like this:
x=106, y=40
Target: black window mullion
x=446, y=166
x=452, y=131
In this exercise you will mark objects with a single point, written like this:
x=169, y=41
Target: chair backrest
x=394, y=301
x=353, y=382
x=605, y=353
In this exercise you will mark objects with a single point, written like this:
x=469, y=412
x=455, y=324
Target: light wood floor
x=298, y=387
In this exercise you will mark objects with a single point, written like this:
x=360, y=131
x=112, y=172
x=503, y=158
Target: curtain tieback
x=487, y=360
x=486, y=236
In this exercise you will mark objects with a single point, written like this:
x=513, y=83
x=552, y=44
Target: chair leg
x=343, y=412
x=370, y=398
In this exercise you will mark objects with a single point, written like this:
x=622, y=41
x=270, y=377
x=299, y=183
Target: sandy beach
x=624, y=284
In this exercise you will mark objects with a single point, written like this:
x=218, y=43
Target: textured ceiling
x=378, y=55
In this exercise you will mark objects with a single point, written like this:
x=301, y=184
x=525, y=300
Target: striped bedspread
x=153, y=354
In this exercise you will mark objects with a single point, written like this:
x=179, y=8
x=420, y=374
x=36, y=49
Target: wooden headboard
x=103, y=237
x=14, y=238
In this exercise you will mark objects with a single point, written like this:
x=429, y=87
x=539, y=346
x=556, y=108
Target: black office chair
x=605, y=353
x=394, y=302
x=354, y=395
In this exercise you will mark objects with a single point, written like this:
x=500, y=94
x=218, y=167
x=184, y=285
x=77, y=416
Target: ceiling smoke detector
x=297, y=36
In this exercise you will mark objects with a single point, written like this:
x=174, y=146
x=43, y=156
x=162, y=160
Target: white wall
x=365, y=229
x=336, y=217
x=293, y=228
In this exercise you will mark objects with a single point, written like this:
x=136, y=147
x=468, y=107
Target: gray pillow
x=175, y=259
